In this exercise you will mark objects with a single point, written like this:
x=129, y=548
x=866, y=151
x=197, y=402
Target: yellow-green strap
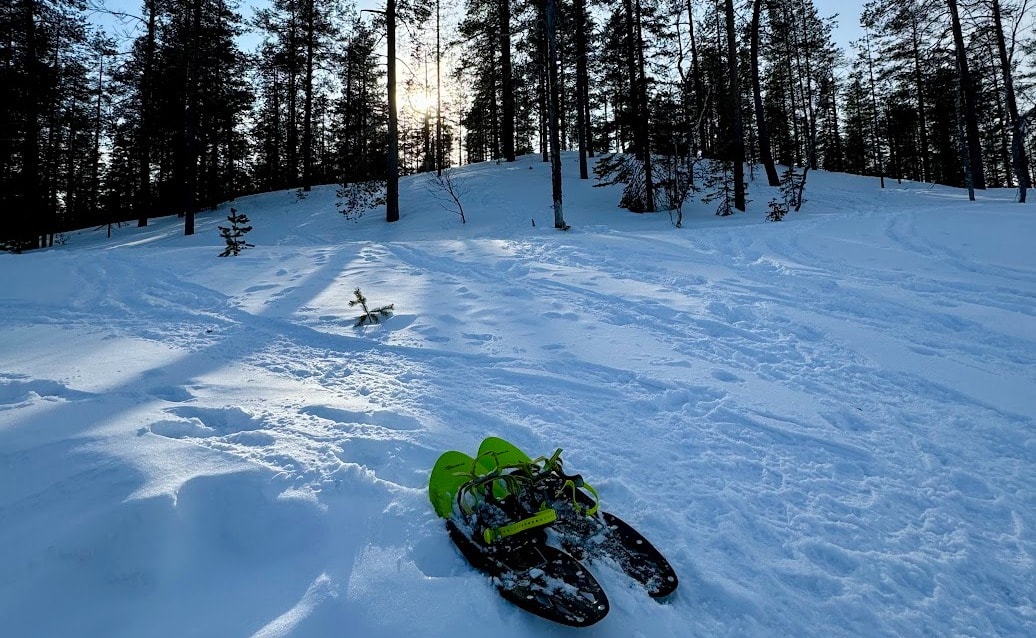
x=570, y=484
x=545, y=517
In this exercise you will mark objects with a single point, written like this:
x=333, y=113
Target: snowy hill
x=827, y=424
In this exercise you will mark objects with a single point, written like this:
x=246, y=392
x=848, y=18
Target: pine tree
x=975, y=167
x=369, y=315
x=360, y=129
x=234, y=234
x=1019, y=157
x=765, y=152
x=48, y=98
x=903, y=34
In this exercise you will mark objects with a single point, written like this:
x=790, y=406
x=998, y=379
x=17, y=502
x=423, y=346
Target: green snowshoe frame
x=458, y=478
x=500, y=469
x=505, y=456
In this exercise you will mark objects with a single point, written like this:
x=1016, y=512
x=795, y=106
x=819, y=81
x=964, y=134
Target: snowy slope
x=827, y=424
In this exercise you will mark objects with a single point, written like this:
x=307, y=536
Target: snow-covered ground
x=827, y=424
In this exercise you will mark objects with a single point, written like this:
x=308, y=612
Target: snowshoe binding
x=498, y=535
x=584, y=530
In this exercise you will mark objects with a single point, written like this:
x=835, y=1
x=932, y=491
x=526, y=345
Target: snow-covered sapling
x=369, y=315
x=234, y=235
x=793, y=187
x=719, y=186
x=777, y=211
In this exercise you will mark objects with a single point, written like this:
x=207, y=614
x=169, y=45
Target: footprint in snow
x=17, y=391
x=195, y=422
x=171, y=393
x=259, y=288
x=726, y=376
x=395, y=461
x=435, y=557
x=381, y=418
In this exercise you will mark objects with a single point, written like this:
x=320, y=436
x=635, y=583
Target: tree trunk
x=644, y=123
x=552, y=114
x=922, y=117
x=874, y=116
x=542, y=89
x=582, y=93
x=978, y=175
x=292, y=137
x=144, y=135
x=837, y=136
x=307, y=117
x=699, y=91
x=1019, y=161
x=392, y=169
x=804, y=52
x=192, y=124
x=507, y=82
x=35, y=225
x=737, y=134
x=766, y=154
x=98, y=124
x=438, y=93
x=634, y=79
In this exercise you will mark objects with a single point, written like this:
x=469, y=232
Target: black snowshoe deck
x=527, y=572
x=606, y=536
x=538, y=578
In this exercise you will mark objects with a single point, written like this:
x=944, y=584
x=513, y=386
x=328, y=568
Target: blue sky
x=848, y=19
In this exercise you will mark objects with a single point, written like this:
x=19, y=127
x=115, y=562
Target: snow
x=827, y=424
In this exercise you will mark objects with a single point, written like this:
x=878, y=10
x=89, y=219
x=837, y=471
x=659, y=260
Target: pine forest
x=114, y=112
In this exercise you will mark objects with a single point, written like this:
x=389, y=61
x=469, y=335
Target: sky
x=848, y=28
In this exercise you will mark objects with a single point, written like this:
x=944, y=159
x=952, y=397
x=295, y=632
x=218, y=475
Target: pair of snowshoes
x=529, y=525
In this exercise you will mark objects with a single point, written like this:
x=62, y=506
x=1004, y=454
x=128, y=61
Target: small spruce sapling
x=234, y=234
x=719, y=186
x=777, y=210
x=793, y=187
x=369, y=315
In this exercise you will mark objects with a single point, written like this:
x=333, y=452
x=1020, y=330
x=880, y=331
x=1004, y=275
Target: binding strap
x=575, y=482
x=544, y=517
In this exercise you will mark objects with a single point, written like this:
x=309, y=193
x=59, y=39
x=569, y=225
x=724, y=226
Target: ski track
x=799, y=486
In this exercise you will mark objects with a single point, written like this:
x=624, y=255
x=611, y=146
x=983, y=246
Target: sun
x=420, y=101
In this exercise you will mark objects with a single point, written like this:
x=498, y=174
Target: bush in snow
x=235, y=233
x=448, y=190
x=621, y=168
x=719, y=186
x=356, y=198
x=677, y=181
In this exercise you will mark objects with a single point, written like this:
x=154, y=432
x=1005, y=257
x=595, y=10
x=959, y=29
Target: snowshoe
x=584, y=530
x=500, y=537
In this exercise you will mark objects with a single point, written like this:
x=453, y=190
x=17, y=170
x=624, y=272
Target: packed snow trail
x=826, y=424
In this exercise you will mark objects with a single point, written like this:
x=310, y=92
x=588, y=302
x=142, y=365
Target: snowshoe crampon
x=584, y=530
x=500, y=537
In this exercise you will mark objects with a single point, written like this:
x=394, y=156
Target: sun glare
x=421, y=102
